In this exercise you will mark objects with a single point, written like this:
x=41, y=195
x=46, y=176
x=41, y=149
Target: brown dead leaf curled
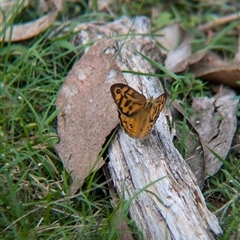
x=215, y=121
x=213, y=69
x=87, y=111
x=197, y=56
x=177, y=41
x=27, y=30
x=212, y=126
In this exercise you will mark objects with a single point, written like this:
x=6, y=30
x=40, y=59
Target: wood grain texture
x=173, y=206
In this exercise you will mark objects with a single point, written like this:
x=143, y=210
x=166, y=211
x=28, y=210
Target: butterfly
x=136, y=113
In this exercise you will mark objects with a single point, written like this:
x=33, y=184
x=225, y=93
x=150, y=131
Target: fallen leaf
x=213, y=69
x=177, y=42
x=215, y=120
x=213, y=126
x=19, y=32
x=197, y=56
x=88, y=113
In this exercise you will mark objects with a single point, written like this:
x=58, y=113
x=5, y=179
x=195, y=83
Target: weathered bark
x=173, y=206
x=180, y=212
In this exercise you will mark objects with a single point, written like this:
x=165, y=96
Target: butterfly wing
x=130, y=125
x=153, y=109
x=157, y=106
x=128, y=100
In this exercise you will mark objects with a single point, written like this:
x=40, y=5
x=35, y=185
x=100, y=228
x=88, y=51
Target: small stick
x=219, y=21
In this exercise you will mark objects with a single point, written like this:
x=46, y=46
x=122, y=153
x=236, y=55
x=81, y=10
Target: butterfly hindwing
x=158, y=105
x=154, y=108
x=129, y=124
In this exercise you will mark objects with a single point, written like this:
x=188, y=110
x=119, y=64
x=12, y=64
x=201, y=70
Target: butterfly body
x=136, y=113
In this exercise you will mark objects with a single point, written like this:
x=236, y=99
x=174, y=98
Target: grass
x=35, y=202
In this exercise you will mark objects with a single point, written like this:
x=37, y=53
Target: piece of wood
x=172, y=207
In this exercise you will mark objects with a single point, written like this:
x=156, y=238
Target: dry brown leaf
x=215, y=121
x=177, y=41
x=28, y=30
x=88, y=113
x=213, y=69
x=7, y=8
x=197, y=56
x=213, y=125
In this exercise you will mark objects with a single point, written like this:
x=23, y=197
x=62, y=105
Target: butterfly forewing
x=129, y=101
x=153, y=108
x=159, y=102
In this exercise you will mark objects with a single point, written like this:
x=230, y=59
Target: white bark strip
x=181, y=212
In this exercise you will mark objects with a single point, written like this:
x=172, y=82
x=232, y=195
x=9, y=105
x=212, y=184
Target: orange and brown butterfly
x=136, y=113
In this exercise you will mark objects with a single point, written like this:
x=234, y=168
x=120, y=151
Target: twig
x=219, y=21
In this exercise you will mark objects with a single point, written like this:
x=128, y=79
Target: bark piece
x=173, y=207
x=135, y=164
